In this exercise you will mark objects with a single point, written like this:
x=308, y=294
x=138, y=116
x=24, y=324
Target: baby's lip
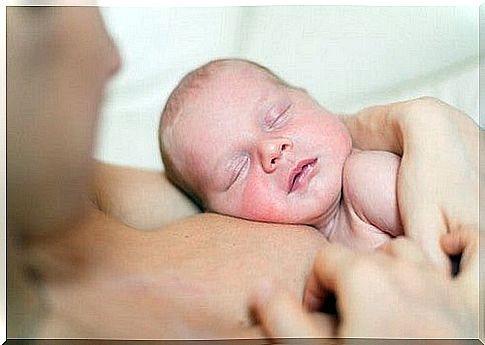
x=301, y=168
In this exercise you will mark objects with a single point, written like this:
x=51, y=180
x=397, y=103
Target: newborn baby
x=242, y=142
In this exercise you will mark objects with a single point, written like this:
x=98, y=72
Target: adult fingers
x=422, y=221
x=458, y=241
x=463, y=241
x=420, y=209
x=282, y=316
x=333, y=268
x=406, y=249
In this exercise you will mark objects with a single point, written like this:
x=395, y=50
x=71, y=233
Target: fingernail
x=311, y=303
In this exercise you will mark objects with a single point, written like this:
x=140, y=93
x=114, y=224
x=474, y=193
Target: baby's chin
x=278, y=215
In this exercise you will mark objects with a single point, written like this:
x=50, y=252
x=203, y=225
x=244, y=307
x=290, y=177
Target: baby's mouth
x=301, y=174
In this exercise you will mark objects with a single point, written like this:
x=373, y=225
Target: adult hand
x=438, y=177
x=465, y=241
x=395, y=292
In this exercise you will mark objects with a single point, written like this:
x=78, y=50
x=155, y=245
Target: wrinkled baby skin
x=263, y=151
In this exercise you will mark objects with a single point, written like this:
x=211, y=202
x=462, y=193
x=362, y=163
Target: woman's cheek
x=259, y=203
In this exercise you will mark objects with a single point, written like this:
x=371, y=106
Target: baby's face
x=261, y=151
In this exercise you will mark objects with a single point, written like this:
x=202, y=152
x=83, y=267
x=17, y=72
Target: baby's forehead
x=220, y=94
x=232, y=84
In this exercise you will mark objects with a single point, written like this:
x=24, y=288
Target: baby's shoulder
x=365, y=171
x=363, y=166
x=369, y=180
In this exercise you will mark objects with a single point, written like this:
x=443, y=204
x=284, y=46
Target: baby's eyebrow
x=261, y=102
x=264, y=110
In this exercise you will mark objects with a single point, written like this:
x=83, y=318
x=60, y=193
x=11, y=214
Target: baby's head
x=242, y=142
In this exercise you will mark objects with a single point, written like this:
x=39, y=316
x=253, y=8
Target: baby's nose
x=270, y=152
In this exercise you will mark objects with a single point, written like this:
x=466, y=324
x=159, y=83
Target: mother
x=77, y=267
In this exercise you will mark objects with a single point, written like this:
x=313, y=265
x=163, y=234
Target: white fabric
x=346, y=57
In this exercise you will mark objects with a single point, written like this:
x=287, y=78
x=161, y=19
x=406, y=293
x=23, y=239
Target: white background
x=347, y=57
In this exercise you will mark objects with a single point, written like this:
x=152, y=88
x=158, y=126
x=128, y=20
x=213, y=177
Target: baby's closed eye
x=238, y=168
x=277, y=117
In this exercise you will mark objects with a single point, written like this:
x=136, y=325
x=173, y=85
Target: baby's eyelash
x=238, y=170
x=279, y=120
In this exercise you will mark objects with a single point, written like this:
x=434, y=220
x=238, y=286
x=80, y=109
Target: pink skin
x=231, y=139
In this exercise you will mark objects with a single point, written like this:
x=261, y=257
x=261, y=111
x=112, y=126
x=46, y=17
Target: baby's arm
x=369, y=186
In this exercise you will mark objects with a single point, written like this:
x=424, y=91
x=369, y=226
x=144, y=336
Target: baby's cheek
x=338, y=137
x=258, y=203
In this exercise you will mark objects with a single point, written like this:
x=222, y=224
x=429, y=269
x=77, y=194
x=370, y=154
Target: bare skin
x=427, y=187
x=270, y=152
x=54, y=92
x=82, y=255
x=368, y=214
x=142, y=199
x=403, y=127
x=405, y=271
x=162, y=284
